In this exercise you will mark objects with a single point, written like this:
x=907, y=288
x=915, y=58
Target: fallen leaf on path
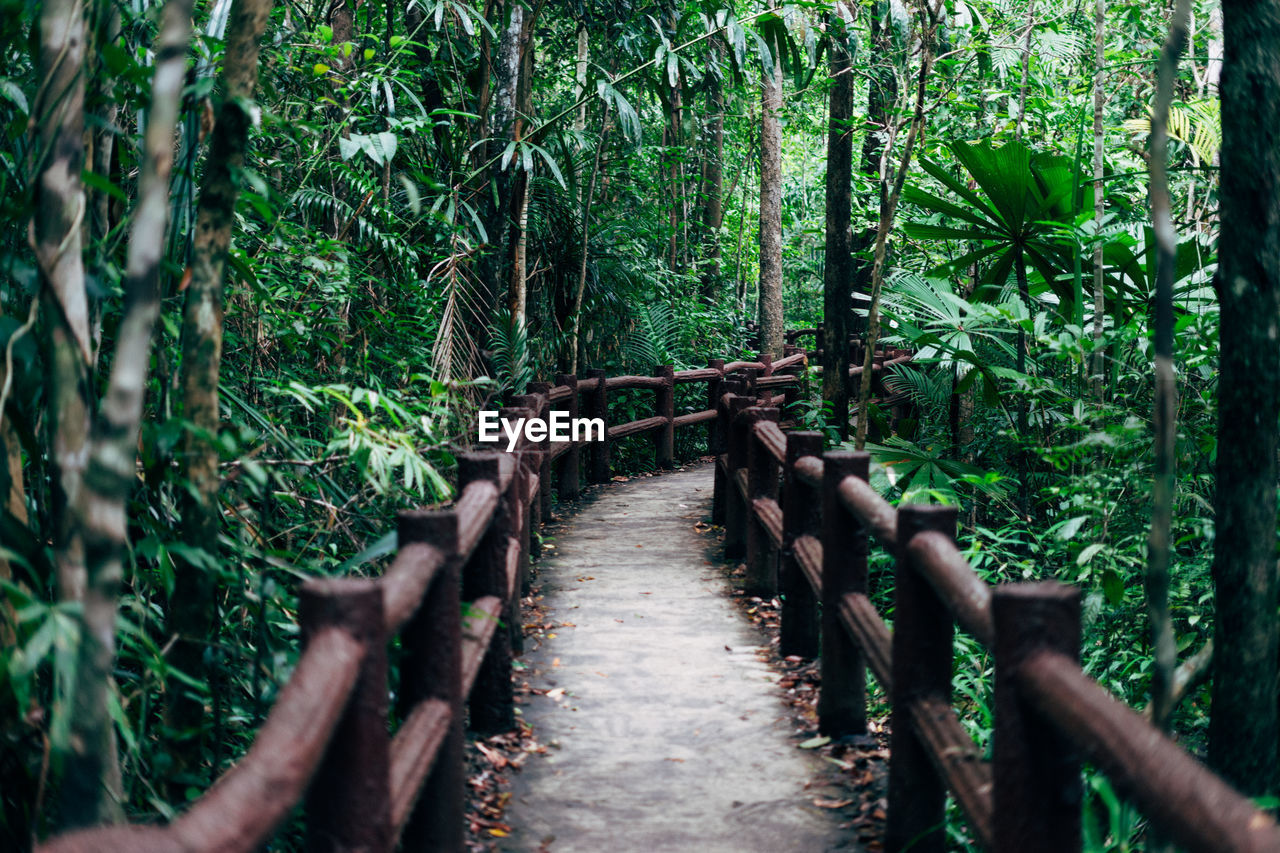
x=815, y=742
x=831, y=804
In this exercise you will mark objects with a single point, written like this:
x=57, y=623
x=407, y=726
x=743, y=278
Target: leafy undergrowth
x=856, y=785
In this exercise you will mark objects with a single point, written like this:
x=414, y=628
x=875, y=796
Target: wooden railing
x=452, y=596
x=802, y=519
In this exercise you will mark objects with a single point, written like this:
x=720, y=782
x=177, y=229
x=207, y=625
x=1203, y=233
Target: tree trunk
x=517, y=239
x=770, y=300
x=882, y=94
x=87, y=756
x=713, y=204
x=1098, y=362
x=1243, y=728
x=495, y=268
x=837, y=257
x=193, y=613
x=929, y=28
x=1026, y=72
x=111, y=474
x=581, y=289
x=580, y=82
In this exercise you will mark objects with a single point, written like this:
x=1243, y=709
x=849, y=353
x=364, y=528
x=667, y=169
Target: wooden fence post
x=1038, y=789
x=664, y=438
x=543, y=392
x=767, y=360
x=719, y=444
x=349, y=801
x=524, y=468
x=923, y=633
x=801, y=516
x=715, y=388
x=529, y=462
x=819, y=338
x=842, y=703
x=598, y=407
x=749, y=375
x=431, y=668
x=735, y=505
x=762, y=482
x=567, y=485
x=492, y=700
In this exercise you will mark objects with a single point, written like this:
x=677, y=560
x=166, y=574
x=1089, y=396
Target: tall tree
x=770, y=303
x=59, y=209
x=111, y=473
x=929, y=20
x=194, y=610
x=837, y=275
x=1097, y=364
x=1243, y=733
x=882, y=95
x=517, y=237
x=713, y=184
x=495, y=270
x=1159, y=539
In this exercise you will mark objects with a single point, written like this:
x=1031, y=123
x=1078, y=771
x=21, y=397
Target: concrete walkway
x=666, y=731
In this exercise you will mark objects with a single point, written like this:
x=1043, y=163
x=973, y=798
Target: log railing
x=802, y=521
x=452, y=597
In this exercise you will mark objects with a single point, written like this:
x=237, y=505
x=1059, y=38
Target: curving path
x=666, y=730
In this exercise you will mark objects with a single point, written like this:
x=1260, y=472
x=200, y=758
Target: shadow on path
x=667, y=732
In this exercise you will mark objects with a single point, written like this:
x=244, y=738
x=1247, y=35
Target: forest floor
x=655, y=711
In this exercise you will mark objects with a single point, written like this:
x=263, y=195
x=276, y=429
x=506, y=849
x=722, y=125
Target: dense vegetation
x=262, y=263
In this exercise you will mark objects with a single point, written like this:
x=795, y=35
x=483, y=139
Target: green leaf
x=1089, y=553
x=815, y=742
x=1113, y=586
x=1070, y=528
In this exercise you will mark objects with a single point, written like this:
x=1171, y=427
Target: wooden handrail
x=968, y=596
x=1188, y=802
x=327, y=732
x=1047, y=709
x=618, y=383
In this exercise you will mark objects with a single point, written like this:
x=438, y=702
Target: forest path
x=666, y=730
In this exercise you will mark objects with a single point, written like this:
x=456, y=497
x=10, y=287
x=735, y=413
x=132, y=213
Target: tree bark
x=713, y=204
x=770, y=307
x=580, y=81
x=1026, y=73
x=882, y=94
x=495, y=269
x=517, y=239
x=1098, y=362
x=837, y=273
x=193, y=612
x=87, y=756
x=581, y=289
x=1243, y=728
x=111, y=473
x=1159, y=538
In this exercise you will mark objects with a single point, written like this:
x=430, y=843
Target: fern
x=655, y=337
x=509, y=341
x=1198, y=125
x=930, y=391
